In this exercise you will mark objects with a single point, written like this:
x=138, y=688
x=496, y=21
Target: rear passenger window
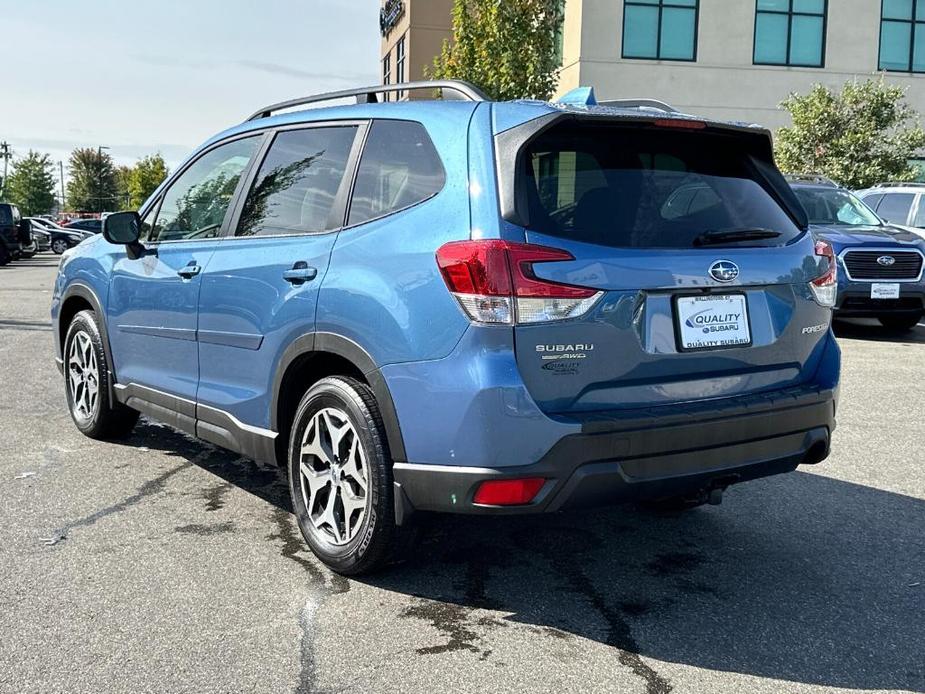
x=399, y=168
x=297, y=184
x=895, y=207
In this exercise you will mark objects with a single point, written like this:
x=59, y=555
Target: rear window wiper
x=713, y=237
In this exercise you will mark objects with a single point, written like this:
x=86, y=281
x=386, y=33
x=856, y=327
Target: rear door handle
x=300, y=273
x=189, y=271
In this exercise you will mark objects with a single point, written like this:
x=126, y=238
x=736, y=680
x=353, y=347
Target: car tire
x=86, y=383
x=59, y=246
x=340, y=478
x=5, y=256
x=900, y=322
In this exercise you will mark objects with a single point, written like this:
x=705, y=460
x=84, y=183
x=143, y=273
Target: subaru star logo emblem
x=724, y=271
x=886, y=260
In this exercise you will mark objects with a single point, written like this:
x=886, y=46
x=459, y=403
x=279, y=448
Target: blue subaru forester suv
x=464, y=306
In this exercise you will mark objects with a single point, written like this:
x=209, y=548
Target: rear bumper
x=649, y=454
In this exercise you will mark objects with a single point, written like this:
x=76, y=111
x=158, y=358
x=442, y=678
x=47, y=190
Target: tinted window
x=919, y=220
x=6, y=216
x=872, y=200
x=195, y=204
x=642, y=187
x=895, y=207
x=399, y=168
x=297, y=183
x=662, y=29
x=790, y=32
x=902, y=35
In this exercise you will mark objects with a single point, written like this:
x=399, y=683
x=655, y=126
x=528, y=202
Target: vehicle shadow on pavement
x=799, y=577
x=36, y=261
x=871, y=330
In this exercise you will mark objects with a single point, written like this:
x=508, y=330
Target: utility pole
x=6, y=155
x=99, y=183
x=61, y=172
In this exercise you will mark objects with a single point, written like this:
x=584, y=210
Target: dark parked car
x=59, y=238
x=880, y=264
x=14, y=233
x=93, y=225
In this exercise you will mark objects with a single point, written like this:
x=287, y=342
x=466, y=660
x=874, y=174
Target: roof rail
x=897, y=184
x=367, y=95
x=817, y=179
x=639, y=103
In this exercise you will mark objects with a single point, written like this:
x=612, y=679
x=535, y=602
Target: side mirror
x=124, y=228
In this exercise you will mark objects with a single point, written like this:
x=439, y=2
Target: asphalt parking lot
x=161, y=564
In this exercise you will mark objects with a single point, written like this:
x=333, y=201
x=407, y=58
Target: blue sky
x=141, y=77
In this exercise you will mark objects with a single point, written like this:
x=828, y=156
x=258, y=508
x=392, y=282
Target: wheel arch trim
x=83, y=291
x=340, y=346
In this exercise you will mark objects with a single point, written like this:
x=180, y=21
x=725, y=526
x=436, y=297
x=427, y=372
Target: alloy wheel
x=333, y=476
x=83, y=377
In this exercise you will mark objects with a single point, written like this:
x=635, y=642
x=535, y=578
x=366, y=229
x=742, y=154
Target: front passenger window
x=895, y=207
x=195, y=204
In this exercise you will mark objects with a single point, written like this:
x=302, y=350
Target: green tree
x=92, y=186
x=509, y=48
x=144, y=178
x=123, y=185
x=32, y=184
x=859, y=136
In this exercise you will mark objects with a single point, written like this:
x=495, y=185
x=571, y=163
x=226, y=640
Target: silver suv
x=898, y=203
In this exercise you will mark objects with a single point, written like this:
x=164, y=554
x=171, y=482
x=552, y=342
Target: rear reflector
x=508, y=492
x=494, y=282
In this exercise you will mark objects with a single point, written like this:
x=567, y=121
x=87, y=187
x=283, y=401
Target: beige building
x=412, y=36
x=727, y=59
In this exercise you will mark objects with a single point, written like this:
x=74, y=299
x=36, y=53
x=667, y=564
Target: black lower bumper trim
x=862, y=306
x=637, y=455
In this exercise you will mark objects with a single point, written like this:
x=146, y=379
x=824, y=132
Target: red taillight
x=508, y=492
x=825, y=287
x=491, y=278
x=680, y=124
x=476, y=267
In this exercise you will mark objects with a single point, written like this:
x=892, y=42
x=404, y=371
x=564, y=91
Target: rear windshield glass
x=645, y=187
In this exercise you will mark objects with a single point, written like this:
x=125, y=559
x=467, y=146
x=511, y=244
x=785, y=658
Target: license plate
x=713, y=321
x=884, y=291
